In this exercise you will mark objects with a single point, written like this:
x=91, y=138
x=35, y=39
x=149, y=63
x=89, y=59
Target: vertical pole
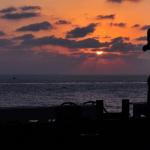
x=99, y=109
x=125, y=108
x=148, y=94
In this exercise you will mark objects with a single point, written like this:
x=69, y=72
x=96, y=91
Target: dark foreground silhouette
x=147, y=46
x=110, y=135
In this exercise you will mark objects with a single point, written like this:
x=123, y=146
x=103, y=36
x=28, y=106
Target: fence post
x=125, y=108
x=99, y=109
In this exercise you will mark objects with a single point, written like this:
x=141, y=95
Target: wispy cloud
x=62, y=22
x=146, y=27
x=36, y=27
x=118, y=24
x=143, y=38
x=8, y=10
x=135, y=26
x=120, y=1
x=18, y=16
x=100, y=17
x=24, y=37
x=26, y=8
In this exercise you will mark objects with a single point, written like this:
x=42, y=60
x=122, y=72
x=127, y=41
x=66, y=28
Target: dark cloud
x=146, y=27
x=117, y=40
x=17, y=16
x=136, y=25
x=120, y=1
x=5, y=42
x=89, y=43
x=36, y=27
x=51, y=40
x=118, y=45
x=81, y=32
x=144, y=38
x=107, y=37
x=8, y=10
x=62, y=22
x=118, y=24
x=26, y=8
x=2, y=33
x=100, y=17
x=133, y=0
x=127, y=38
x=115, y=1
x=24, y=37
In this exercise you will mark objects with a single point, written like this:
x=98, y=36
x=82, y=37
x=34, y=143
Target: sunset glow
x=99, y=52
x=64, y=37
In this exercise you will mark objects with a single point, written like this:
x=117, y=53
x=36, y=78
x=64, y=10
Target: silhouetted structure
x=148, y=95
x=147, y=46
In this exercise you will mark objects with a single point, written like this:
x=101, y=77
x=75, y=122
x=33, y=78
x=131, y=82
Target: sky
x=102, y=37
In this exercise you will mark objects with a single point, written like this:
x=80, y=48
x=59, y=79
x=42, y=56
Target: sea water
x=52, y=90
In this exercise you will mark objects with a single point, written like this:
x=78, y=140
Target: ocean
x=52, y=90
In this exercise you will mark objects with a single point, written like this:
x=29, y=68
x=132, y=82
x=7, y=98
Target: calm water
x=50, y=90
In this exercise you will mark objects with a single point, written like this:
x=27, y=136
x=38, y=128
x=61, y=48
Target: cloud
x=146, y=27
x=81, y=32
x=5, y=43
x=30, y=61
x=36, y=27
x=62, y=22
x=115, y=1
x=100, y=17
x=118, y=45
x=118, y=24
x=17, y=16
x=8, y=10
x=2, y=33
x=24, y=37
x=120, y=1
x=51, y=40
x=26, y=8
x=127, y=38
x=136, y=25
x=144, y=38
x=133, y=0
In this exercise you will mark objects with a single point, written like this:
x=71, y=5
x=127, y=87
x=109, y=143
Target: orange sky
x=63, y=37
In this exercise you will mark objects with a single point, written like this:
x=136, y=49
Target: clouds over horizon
x=46, y=41
x=51, y=40
x=64, y=63
x=118, y=44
